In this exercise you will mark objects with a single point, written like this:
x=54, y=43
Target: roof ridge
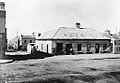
x=75, y=28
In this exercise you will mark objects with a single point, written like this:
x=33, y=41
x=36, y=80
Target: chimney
x=78, y=25
x=107, y=32
x=39, y=34
x=34, y=34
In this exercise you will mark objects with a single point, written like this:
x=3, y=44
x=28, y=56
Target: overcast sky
x=38, y=16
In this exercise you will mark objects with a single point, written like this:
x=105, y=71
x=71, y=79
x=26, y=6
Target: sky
x=28, y=16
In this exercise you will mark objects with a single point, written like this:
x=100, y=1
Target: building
x=116, y=46
x=30, y=47
x=25, y=40
x=115, y=41
x=80, y=40
x=3, y=30
x=20, y=42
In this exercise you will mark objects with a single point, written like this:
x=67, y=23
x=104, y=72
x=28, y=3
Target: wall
x=0, y=42
x=116, y=46
x=84, y=44
x=2, y=46
x=42, y=45
x=27, y=41
x=3, y=40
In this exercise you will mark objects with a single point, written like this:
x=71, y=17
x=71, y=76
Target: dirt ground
x=53, y=70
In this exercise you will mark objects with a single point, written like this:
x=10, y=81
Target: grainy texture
x=53, y=70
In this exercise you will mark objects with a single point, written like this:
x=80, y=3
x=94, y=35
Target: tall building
x=3, y=37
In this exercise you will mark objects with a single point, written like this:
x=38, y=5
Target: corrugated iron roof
x=73, y=33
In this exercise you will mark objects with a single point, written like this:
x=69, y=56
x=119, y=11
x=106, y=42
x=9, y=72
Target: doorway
x=59, y=48
x=68, y=47
x=97, y=47
x=104, y=46
x=79, y=47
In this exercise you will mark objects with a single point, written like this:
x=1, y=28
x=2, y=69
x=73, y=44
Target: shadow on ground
x=108, y=77
x=35, y=55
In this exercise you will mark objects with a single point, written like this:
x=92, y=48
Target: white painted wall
x=43, y=48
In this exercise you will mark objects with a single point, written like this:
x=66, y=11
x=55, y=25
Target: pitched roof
x=73, y=33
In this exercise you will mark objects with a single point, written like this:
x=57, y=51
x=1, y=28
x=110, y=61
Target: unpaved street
x=54, y=70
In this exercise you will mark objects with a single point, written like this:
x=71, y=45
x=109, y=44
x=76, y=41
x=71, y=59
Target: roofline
x=75, y=39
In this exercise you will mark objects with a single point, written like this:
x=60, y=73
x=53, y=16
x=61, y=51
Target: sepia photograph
x=59, y=41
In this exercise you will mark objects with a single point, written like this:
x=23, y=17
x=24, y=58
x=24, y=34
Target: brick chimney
x=78, y=25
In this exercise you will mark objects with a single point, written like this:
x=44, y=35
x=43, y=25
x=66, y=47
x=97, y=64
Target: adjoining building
x=116, y=46
x=80, y=40
x=3, y=30
x=19, y=43
x=25, y=40
x=115, y=41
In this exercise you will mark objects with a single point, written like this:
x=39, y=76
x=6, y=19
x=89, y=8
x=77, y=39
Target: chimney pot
x=78, y=25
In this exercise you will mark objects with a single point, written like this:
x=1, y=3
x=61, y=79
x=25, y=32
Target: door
x=68, y=47
x=97, y=47
x=104, y=46
x=59, y=48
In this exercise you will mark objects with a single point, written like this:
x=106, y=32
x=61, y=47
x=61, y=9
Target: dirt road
x=54, y=70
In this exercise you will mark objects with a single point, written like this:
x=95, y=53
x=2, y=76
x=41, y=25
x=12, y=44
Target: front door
x=68, y=47
x=97, y=47
x=59, y=48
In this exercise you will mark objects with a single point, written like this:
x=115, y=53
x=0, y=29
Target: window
x=30, y=41
x=79, y=47
x=25, y=41
x=41, y=46
x=117, y=48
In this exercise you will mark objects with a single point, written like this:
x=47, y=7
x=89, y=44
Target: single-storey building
x=79, y=40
